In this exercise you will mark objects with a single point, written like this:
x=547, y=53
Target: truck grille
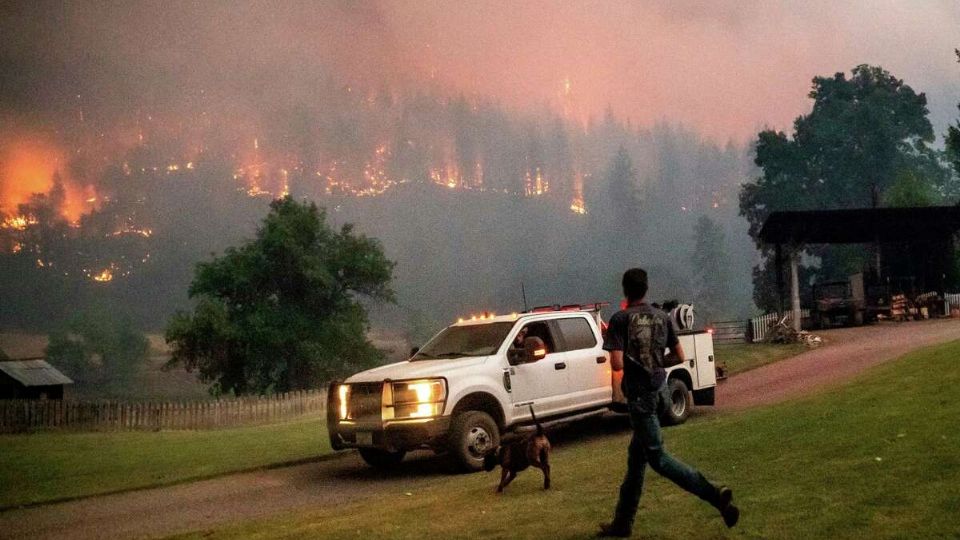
x=364, y=402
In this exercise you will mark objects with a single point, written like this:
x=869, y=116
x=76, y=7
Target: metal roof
x=34, y=373
x=861, y=225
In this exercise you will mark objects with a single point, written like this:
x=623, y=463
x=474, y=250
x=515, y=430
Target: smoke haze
x=725, y=68
x=474, y=139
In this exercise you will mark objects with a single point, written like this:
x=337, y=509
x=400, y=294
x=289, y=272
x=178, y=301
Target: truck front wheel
x=473, y=434
x=381, y=459
x=680, y=402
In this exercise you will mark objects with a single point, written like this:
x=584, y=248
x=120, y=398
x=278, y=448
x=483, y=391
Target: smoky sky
x=725, y=69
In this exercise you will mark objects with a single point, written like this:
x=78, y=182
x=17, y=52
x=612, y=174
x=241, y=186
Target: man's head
x=520, y=336
x=635, y=284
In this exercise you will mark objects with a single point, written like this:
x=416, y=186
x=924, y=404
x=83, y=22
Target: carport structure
x=927, y=232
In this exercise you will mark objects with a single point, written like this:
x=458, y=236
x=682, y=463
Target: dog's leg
x=545, y=467
x=503, y=479
x=507, y=477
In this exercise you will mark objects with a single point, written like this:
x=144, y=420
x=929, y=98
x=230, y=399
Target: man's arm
x=613, y=341
x=676, y=356
x=616, y=360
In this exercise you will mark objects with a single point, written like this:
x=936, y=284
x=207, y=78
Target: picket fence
x=760, y=325
x=19, y=416
x=952, y=299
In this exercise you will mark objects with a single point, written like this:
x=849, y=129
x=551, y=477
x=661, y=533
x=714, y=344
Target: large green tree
x=910, y=189
x=282, y=312
x=953, y=135
x=862, y=132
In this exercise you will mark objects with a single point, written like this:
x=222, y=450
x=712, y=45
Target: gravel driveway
x=207, y=503
x=845, y=353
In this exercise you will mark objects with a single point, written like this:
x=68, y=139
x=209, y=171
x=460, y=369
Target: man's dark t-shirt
x=642, y=332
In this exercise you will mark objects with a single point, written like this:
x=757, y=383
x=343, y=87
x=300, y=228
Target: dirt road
x=207, y=503
x=847, y=352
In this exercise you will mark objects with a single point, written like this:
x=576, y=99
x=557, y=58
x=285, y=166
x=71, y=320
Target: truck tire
x=679, y=403
x=381, y=459
x=473, y=434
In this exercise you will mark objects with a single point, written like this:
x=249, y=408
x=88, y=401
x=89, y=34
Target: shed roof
x=34, y=373
x=861, y=225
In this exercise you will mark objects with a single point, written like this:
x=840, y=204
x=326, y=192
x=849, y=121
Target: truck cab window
x=576, y=334
x=541, y=330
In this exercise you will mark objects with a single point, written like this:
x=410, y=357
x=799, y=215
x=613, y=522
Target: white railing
x=760, y=325
x=952, y=299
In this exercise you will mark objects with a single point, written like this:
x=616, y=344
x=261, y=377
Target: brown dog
x=513, y=457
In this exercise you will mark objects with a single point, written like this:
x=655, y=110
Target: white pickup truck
x=472, y=383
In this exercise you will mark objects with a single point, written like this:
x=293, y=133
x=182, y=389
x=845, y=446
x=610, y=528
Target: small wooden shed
x=31, y=379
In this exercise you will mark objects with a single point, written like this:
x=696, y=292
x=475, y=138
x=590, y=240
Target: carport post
x=795, y=287
x=779, y=265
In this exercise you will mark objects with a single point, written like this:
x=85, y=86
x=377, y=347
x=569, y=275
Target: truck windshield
x=470, y=340
x=833, y=290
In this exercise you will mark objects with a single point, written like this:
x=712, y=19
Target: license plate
x=364, y=438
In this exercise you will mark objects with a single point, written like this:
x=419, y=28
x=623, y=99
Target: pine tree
x=711, y=269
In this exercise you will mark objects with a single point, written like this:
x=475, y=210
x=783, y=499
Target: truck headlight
x=415, y=399
x=343, y=396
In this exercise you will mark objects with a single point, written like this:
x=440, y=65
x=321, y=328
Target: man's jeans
x=646, y=447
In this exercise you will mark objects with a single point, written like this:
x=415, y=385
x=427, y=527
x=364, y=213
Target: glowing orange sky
x=724, y=68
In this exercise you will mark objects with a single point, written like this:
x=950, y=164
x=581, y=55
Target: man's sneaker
x=612, y=530
x=724, y=503
x=731, y=515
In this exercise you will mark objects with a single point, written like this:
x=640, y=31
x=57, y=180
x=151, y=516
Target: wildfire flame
x=28, y=166
x=18, y=223
x=104, y=276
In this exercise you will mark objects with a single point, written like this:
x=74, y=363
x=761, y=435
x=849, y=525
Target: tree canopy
x=863, y=133
x=953, y=135
x=282, y=312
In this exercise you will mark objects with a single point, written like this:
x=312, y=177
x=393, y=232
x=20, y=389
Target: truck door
x=588, y=370
x=541, y=383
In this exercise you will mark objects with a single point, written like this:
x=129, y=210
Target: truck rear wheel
x=680, y=402
x=473, y=434
x=381, y=459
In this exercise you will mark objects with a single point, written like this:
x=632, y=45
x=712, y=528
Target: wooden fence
x=729, y=331
x=19, y=416
x=760, y=325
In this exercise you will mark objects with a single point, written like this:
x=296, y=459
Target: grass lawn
x=741, y=357
x=877, y=458
x=46, y=466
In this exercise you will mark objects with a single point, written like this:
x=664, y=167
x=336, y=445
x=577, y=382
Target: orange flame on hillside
x=28, y=166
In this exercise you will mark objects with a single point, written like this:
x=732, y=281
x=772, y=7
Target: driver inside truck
x=538, y=329
x=518, y=341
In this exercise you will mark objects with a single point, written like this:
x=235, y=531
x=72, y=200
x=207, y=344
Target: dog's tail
x=535, y=421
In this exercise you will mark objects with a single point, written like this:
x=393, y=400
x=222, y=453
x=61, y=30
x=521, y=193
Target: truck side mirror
x=534, y=349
